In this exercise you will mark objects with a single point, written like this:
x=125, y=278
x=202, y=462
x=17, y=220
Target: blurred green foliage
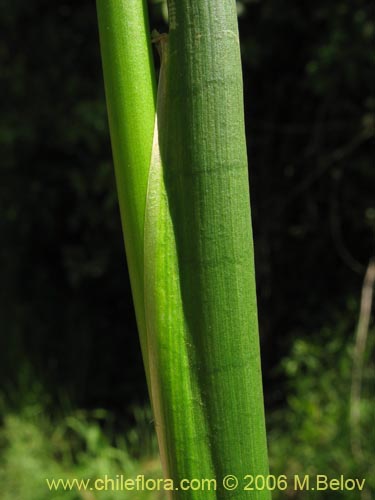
x=312, y=434
x=34, y=448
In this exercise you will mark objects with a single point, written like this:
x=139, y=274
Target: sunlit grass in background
x=35, y=447
x=310, y=435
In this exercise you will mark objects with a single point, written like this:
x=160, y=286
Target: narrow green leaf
x=130, y=91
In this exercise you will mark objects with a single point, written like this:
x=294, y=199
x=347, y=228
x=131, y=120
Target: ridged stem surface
x=199, y=268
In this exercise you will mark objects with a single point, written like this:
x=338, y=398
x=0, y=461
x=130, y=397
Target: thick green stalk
x=130, y=91
x=199, y=268
x=188, y=239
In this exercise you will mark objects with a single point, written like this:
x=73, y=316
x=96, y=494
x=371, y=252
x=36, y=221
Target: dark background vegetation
x=68, y=333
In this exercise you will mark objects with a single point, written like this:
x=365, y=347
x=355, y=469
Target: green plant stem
x=199, y=268
x=187, y=226
x=130, y=91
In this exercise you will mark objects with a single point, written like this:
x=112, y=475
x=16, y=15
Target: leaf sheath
x=199, y=267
